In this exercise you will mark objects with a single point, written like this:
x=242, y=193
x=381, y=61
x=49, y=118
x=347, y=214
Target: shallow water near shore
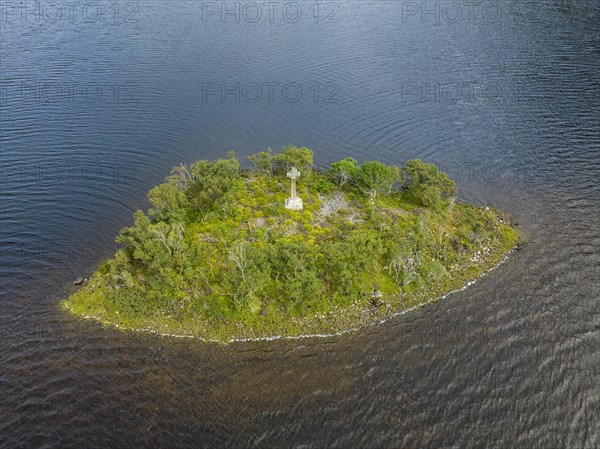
x=511, y=361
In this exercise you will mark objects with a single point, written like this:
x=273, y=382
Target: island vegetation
x=218, y=256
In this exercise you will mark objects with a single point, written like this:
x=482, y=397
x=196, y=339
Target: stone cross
x=293, y=174
x=293, y=202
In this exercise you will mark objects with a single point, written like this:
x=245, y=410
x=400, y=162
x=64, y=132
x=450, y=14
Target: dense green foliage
x=219, y=256
x=426, y=183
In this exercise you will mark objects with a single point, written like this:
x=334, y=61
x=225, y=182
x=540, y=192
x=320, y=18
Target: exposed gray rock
x=332, y=203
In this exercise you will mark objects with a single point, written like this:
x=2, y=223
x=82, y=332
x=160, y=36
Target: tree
x=179, y=176
x=428, y=184
x=258, y=277
x=237, y=254
x=170, y=236
x=398, y=174
x=153, y=247
x=211, y=180
x=134, y=238
x=263, y=161
x=169, y=202
x=349, y=258
x=375, y=177
x=299, y=157
x=344, y=170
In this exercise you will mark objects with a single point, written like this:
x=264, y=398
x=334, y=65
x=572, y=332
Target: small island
x=283, y=249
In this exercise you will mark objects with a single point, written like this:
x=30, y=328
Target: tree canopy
x=375, y=177
x=345, y=170
x=428, y=184
x=291, y=156
x=210, y=180
x=218, y=250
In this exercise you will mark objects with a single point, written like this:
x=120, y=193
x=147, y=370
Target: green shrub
x=322, y=185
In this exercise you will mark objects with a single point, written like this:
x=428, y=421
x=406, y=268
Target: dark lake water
x=97, y=102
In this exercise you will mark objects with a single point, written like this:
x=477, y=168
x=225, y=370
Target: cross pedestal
x=293, y=202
